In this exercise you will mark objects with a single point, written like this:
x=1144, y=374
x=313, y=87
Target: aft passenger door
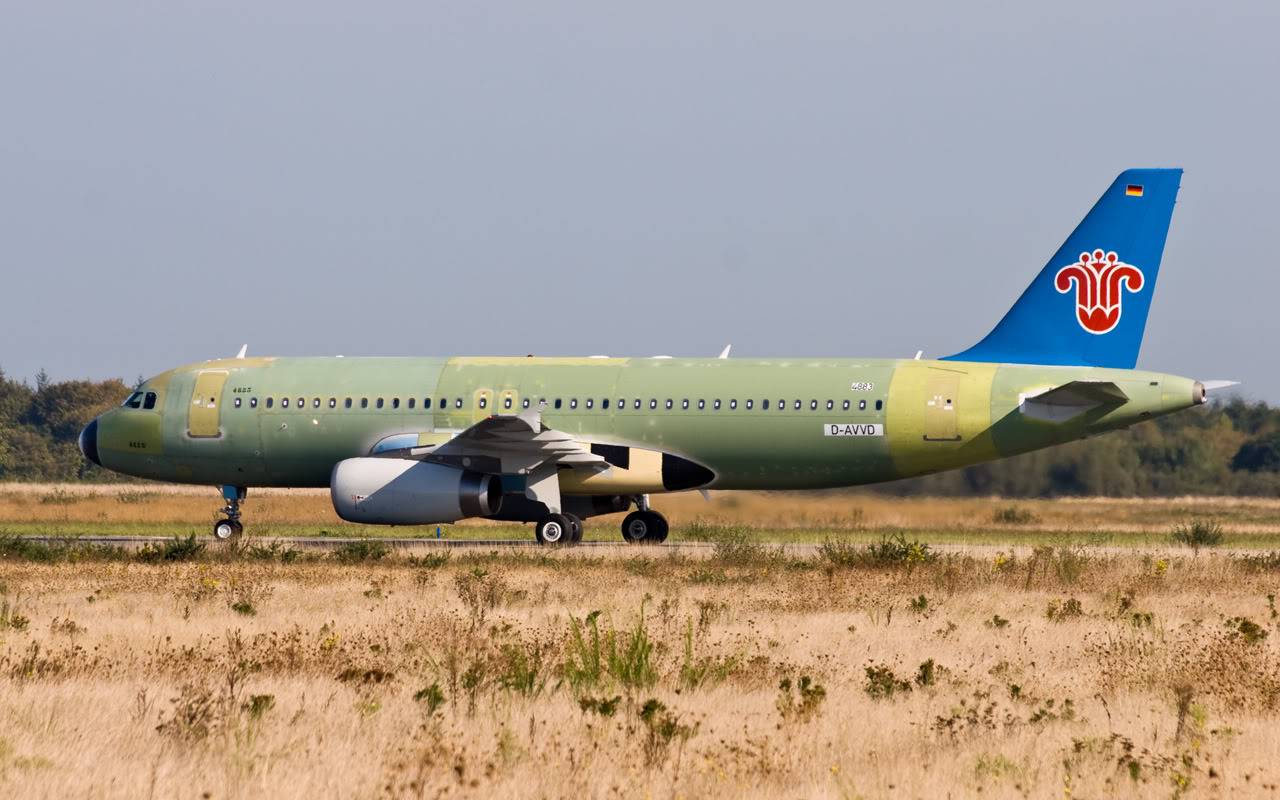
x=942, y=391
x=203, y=420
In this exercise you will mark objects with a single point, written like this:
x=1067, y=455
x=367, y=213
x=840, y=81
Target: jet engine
x=402, y=491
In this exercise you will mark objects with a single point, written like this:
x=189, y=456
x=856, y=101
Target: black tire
x=576, y=522
x=555, y=529
x=645, y=527
x=227, y=530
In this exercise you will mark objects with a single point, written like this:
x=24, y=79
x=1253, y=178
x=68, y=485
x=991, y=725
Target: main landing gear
x=559, y=529
x=644, y=525
x=225, y=530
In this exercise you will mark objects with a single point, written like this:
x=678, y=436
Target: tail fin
x=1088, y=306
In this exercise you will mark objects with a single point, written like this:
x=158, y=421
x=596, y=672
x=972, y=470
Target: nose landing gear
x=227, y=529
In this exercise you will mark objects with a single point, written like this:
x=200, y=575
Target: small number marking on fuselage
x=862, y=386
x=852, y=429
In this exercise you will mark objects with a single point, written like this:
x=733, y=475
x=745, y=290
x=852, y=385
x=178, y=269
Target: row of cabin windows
x=559, y=403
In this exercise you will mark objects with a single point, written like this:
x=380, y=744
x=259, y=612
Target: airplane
x=553, y=441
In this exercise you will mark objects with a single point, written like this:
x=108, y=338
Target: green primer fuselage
x=932, y=415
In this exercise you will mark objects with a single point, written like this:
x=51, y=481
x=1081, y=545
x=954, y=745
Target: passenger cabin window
x=302, y=402
x=253, y=402
x=559, y=402
x=604, y=404
x=315, y=403
x=702, y=404
x=733, y=405
x=830, y=404
x=670, y=403
x=716, y=404
x=637, y=404
x=653, y=403
x=237, y=403
x=590, y=403
x=684, y=404
x=284, y=402
x=846, y=405
x=750, y=404
x=573, y=402
x=150, y=401
x=862, y=405
x=426, y=402
x=879, y=405
x=813, y=405
x=506, y=402
x=484, y=402
x=525, y=403
x=798, y=405
x=346, y=403
x=270, y=402
x=379, y=402
x=764, y=405
x=457, y=403
x=364, y=402
x=395, y=402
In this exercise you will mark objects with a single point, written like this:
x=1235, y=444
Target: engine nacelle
x=402, y=491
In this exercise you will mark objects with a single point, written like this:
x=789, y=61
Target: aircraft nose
x=89, y=442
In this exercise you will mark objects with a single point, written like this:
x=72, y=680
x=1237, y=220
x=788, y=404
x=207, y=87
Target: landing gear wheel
x=224, y=530
x=576, y=522
x=555, y=529
x=647, y=527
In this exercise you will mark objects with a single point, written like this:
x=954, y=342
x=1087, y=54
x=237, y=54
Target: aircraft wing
x=515, y=444
x=1070, y=400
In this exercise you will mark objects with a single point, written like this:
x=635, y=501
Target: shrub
x=895, y=549
x=1059, y=610
x=361, y=550
x=800, y=701
x=662, y=727
x=521, y=669
x=842, y=554
x=1198, y=533
x=601, y=706
x=882, y=683
x=1246, y=629
x=432, y=697
x=926, y=673
x=175, y=549
x=1013, y=515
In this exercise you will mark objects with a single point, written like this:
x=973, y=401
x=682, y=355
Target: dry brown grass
x=132, y=680
x=269, y=508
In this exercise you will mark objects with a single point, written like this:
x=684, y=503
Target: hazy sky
x=796, y=178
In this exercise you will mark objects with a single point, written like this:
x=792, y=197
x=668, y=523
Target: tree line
x=1224, y=448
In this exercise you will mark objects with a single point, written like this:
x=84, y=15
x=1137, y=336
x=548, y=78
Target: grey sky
x=578, y=178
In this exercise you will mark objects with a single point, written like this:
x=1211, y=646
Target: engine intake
x=402, y=491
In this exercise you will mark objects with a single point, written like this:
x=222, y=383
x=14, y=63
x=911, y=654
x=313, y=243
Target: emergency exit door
x=941, y=399
x=203, y=416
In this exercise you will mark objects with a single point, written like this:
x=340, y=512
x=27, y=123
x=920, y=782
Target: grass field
x=733, y=670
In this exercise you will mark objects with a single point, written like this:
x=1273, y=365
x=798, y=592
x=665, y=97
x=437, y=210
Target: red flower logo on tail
x=1098, y=277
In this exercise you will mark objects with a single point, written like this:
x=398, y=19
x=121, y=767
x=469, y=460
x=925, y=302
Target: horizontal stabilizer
x=1070, y=400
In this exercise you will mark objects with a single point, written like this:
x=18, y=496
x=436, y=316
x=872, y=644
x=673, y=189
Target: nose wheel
x=230, y=528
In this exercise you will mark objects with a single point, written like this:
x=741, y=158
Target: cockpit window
x=150, y=401
x=134, y=401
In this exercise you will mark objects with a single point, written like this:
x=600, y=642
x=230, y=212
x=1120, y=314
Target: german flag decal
x=1133, y=190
